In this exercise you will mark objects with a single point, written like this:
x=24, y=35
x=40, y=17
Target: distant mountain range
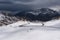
x=43, y=14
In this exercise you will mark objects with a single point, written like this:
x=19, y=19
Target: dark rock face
x=30, y=17
x=43, y=14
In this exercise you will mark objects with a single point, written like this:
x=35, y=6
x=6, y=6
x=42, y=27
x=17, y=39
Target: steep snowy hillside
x=6, y=19
x=32, y=31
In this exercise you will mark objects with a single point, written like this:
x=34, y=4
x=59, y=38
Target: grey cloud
x=38, y=3
x=27, y=4
x=24, y=0
x=13, y=7
x=5, y=2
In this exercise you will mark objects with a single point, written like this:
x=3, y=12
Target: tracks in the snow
x=39, y=26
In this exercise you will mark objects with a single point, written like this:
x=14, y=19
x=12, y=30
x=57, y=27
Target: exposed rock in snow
x=6, y=19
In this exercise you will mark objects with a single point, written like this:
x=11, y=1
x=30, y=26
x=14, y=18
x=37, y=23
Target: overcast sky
x=27, y=4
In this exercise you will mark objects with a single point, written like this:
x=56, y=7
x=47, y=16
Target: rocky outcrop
x=5, y=19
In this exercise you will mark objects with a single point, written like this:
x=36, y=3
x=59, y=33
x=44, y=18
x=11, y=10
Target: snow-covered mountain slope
x=6, y=19
x=23, y=30
x=2, y=16
x=32, y=31
x=43, y=14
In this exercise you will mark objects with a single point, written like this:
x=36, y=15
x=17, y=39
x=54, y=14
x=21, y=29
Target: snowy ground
x=32, y=31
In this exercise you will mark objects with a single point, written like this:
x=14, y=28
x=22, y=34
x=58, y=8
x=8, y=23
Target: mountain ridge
x=43, y=14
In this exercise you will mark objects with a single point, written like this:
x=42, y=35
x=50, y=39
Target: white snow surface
x=2, y=16
x=32, y=31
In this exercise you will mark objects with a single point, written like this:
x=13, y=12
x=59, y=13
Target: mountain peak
x=43, y=14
